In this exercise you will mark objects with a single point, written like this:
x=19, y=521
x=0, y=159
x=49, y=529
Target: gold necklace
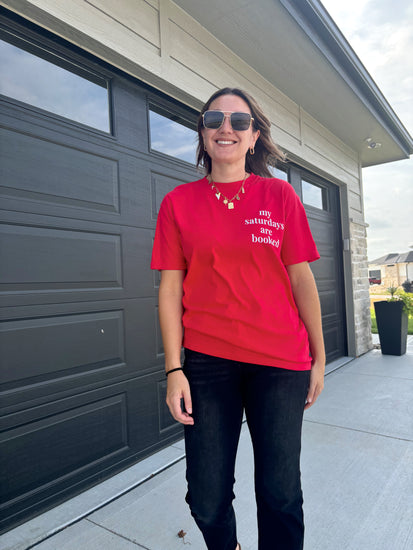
x=228, y=202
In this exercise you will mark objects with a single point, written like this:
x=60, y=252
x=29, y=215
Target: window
x=313, y=195
x=52, y=85
x=278, y=172
x=172, y=134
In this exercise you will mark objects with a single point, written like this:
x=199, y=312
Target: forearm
x=308, y=304
x=170, y=317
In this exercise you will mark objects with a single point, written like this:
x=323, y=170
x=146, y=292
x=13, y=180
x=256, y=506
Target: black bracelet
x=173, y=370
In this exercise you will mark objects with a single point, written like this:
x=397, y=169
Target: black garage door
x=83, y=388
x=321, y=201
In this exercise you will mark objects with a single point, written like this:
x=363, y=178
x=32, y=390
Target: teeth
x=225, y=142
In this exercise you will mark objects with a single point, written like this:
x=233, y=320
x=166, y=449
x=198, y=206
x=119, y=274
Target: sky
x=381, y=34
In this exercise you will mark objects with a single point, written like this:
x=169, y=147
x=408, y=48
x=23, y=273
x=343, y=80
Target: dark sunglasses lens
x=213, y=119
x=240, y=121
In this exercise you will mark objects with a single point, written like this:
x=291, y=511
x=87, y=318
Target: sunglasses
x=215, y=119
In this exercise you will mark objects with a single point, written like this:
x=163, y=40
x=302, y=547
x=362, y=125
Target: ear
x=255, y=136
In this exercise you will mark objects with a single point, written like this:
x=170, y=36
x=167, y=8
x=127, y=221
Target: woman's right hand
x=177, y=389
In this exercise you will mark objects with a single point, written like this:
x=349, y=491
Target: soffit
x=271, y=40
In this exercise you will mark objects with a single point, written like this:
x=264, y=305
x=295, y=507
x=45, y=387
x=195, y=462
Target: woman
x=236, y=288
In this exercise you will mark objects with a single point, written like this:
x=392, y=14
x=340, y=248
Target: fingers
x=316, y=387
x=175, y=409
x=187, y=402
x=311, y=398
x=180, y=416
x=179, y=400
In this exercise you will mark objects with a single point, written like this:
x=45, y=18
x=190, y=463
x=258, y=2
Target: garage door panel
x=323, y=269
x=321, y=231
x=66, y=343
x=328, y=302
x=69, y=349
x=88, y=186
x=72, y=178
x=62, y=443
x=332, y=341
x=50, y=260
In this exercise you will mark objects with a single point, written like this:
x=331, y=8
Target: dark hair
x=266, y=151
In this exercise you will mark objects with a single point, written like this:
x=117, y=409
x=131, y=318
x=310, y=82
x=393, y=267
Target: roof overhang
x=297, y=47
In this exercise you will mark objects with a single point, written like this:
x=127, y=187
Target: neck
x=227, y=173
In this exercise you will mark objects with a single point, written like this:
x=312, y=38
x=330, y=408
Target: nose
x=226, y=125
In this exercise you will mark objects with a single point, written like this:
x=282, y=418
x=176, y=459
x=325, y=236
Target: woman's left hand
x=316, y=383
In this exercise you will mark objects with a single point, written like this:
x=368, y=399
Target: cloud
x=388, y=200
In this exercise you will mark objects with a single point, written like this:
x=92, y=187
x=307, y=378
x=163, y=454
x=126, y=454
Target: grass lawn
x=374, y=323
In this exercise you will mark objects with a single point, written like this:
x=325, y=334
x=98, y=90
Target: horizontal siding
x=139, y=16
x=94, y=30
x=354, y=200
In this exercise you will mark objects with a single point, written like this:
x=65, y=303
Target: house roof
x=406, y=258
x=393, y=258
x=299, y=49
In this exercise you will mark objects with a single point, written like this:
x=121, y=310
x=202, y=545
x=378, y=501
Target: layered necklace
x=229, y=203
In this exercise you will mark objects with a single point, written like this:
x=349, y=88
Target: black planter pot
x=392, y=327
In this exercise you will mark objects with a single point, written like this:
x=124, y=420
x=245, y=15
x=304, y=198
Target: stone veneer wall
x=393, y=275
x=362, y=322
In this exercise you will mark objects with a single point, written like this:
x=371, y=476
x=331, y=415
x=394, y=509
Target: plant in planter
x=392, y=319
x=407, y=286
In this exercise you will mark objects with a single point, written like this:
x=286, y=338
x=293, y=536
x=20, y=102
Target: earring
x=252, y=150
x=205, y=149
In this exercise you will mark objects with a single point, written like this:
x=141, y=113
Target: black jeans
x=273, y=400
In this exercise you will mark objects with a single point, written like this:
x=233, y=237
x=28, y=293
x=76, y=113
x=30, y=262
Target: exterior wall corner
x=359, y=262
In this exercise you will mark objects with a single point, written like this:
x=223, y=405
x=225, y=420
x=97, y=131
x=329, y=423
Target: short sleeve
x=298, y=243
x=167, y=250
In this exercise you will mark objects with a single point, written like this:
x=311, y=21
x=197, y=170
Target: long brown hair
x=266, y=151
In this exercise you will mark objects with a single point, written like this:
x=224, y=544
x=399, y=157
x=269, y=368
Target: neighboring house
x=393, y=269
x=98, y=112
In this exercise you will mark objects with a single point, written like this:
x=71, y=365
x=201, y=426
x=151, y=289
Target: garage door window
x=278, y=172
x=313, y=195
x=172, y=135
x=54, y=85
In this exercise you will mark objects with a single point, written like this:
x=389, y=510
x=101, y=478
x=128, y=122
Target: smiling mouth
x=225, y=142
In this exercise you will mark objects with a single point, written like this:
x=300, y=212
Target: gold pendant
x=237, y=197
x=218, y=195
x=225, y=201
x=230, y=206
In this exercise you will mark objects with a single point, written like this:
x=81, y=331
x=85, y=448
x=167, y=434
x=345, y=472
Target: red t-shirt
x=238, y=303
